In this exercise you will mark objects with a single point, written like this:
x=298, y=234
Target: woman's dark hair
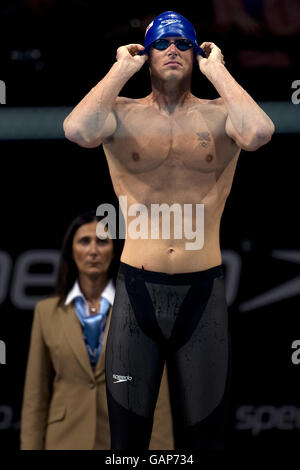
x=67, y=271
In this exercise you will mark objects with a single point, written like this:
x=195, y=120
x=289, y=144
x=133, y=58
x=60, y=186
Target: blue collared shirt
x=108, y=293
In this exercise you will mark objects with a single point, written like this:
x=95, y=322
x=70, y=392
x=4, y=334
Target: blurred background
x=51, y=54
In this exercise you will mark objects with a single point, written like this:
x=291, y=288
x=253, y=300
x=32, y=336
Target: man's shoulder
x=219, y=102
x=123, y=101
x=128, y=106
x=213, y=103
x=215, y=106
x=124, y=105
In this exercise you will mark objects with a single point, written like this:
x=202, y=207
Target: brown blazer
x=64, y=402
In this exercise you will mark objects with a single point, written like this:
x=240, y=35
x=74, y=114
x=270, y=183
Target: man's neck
x=170, y=96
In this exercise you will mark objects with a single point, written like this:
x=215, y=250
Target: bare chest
x=147, y=142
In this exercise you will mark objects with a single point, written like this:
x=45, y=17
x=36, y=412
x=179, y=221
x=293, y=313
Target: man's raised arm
x=93, y=119
x=247, y=124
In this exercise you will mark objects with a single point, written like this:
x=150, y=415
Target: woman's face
x=92, y=255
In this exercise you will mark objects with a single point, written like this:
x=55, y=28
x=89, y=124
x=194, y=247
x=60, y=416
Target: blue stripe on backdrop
x=39, y=123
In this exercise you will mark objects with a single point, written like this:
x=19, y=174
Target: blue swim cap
x=171, y=24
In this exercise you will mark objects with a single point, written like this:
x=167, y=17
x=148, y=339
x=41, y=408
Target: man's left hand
x=213, y=54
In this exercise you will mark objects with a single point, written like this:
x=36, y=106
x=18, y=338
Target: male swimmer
x=170, y=147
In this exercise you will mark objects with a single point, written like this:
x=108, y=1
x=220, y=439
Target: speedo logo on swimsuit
x=121, y=378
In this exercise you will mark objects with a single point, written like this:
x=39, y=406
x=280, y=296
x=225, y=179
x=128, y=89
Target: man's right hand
x=130, y=55
x=93, y=118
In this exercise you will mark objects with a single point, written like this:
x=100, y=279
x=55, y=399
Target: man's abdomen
x=172, y=256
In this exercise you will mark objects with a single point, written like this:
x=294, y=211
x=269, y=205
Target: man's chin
x=173, y=76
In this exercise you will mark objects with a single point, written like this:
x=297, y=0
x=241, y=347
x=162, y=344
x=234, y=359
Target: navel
x=135, y=156
x=209, y=158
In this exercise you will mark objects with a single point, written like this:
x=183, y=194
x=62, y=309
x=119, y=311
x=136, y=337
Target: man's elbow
x=260, y=137
x=71, y=133
x=75, y=135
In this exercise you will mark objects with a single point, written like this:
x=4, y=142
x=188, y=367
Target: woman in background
x=64, y=403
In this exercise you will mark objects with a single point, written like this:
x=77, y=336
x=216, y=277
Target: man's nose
x=172, y=48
